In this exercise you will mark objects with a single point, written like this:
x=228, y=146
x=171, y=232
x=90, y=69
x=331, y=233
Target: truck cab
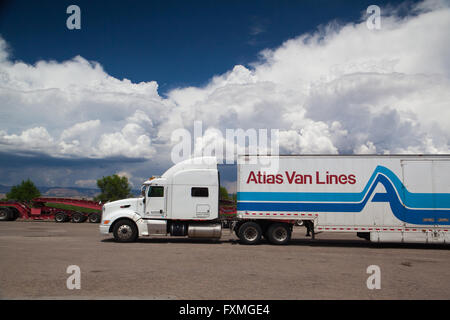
x=184, y=201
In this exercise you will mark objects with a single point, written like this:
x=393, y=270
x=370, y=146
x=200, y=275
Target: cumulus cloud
x=313, y=138
x=340, y=89
x=75, y=109
x=33, y=139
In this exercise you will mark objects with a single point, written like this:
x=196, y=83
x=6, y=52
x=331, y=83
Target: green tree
x=113, y=188
x=26, y=191
x=223, y=193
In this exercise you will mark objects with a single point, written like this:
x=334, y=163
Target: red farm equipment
x=227, y=212
x=42, y=209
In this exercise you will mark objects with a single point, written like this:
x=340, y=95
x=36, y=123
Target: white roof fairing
x=189, y=164
x=193, y=163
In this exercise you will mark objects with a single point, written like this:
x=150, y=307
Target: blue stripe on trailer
x=414, y=216
x=409, y=199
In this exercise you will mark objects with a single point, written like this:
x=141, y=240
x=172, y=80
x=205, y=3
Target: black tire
x=279, y=233
x=94, y=218
x=250, y=233
x=236, y=229
x=77, y=217
x=4, y=214
x=11, y=214
x=60, y=217
x=14, y=214
x=125, y=231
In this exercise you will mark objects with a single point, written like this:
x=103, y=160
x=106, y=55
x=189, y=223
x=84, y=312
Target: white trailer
x=381, y=198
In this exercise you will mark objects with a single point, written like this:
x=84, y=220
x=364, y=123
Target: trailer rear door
x=426, y=186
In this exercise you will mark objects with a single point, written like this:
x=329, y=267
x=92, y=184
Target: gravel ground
x=35, y=256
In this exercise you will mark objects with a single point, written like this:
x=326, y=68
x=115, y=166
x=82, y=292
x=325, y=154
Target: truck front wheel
x=125, y=231
x=279, y=233
x=250, y=233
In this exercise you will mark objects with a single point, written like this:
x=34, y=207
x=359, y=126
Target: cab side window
x=154, y=192
x=199, y=192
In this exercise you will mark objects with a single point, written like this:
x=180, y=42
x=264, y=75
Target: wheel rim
x=94, y=218
x=3, y=214
x=59, y=217
x=280, y=234
x=77, y=218
x=250, y=234
x=124, y=232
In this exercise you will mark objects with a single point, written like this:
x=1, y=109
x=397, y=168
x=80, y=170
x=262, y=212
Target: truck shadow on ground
x=296, y=242
x=364, y=244
x=173, y=240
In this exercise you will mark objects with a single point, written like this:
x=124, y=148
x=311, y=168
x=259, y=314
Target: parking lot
x=35, y=257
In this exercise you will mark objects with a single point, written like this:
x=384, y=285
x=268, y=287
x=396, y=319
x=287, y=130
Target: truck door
x=155, y=206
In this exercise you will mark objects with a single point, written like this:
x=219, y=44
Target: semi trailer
x=42, y=209
x=381, y=198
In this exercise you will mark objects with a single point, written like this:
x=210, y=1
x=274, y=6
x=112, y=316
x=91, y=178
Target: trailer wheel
x=94, y=218
x=4, y=214
x=60, y=217
x=125, y=231
x=77, y=217
x=14, y=214
x=279, y=233
x=250, y=233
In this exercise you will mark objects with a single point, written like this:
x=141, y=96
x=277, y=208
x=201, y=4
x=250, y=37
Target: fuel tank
x=205, y=230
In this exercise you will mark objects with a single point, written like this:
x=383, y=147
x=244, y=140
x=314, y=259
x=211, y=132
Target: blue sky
x=176, y=43
x=79, y=104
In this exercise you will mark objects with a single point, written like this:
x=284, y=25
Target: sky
x=76, y=105
x=176, y=43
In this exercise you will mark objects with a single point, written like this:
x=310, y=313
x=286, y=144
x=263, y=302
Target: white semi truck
x=392, y=198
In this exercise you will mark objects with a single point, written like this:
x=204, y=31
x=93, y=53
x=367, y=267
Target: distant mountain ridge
x=69, y=192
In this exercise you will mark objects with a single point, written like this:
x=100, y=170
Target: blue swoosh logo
x=402, y=202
